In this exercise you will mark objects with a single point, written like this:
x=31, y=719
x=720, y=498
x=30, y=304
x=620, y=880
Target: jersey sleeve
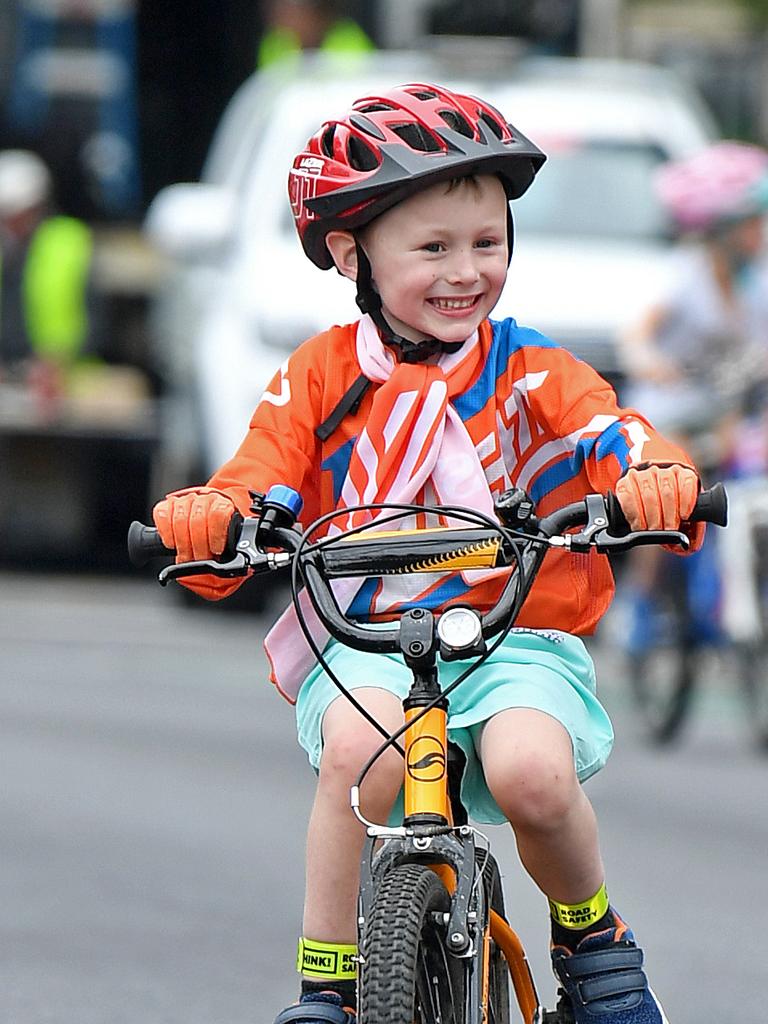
x=599, y=438
x=595, y=442
x=280, y=447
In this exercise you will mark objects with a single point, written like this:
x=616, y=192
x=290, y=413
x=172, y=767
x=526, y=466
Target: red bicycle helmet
x=388, y=147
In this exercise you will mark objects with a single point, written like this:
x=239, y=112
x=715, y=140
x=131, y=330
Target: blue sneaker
x=317, y=1008
x=604, y=981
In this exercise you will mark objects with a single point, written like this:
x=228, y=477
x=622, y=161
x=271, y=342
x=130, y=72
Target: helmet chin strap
x=369, y=301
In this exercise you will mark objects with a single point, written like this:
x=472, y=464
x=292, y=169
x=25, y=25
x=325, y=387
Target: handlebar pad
x=144, y=542
x=711, y=507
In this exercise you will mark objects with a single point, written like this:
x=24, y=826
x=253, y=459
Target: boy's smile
x=439, y=259
x=455, y=307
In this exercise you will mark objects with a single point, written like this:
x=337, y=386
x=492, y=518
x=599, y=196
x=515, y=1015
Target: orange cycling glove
x=660, y=498
x=194, y=522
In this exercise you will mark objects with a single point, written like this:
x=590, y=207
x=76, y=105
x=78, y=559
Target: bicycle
x=668, y=630
x=434, y=942
x=745, y=599
x=708, y=612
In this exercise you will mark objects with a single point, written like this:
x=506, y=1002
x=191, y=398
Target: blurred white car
x=590, y=237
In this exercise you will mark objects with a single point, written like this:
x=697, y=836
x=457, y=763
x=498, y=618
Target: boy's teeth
x=453, y=303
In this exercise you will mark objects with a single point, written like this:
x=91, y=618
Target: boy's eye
x=433, y=247
x=487, y=243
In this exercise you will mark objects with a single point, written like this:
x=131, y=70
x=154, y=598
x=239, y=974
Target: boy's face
x=439, y=259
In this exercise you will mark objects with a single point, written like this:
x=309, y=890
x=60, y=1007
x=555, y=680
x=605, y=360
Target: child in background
x=424, y=399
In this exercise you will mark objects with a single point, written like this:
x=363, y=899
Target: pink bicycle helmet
x=722, y=184
x=389, y=147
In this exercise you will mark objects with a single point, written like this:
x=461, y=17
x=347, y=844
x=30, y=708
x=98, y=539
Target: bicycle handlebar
x=377, y=553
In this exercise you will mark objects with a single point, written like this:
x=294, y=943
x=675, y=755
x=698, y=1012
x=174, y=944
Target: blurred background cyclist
x=695, y=356
x=697, y=361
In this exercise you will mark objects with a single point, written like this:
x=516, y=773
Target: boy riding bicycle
x=424, y=399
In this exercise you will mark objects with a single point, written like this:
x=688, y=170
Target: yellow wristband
x=580, y=915
x=326, y=960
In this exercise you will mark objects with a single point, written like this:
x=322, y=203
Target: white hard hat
x=25, y=181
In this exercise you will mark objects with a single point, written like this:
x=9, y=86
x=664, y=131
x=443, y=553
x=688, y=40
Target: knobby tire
x=407, y=974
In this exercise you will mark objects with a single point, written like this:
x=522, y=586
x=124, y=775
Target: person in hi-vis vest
x=46, y=258
x=293, y=26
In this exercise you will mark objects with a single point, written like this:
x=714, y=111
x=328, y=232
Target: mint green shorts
x=545, y=670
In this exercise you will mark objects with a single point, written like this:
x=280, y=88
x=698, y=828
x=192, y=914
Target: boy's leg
x=334, y=844
x=335, y=836
x=528, y=763
x=529, y=769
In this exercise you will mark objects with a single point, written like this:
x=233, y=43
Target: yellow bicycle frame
x=426, y=794
x=426, y=764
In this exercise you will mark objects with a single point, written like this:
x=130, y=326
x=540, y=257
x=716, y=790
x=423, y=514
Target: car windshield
x=599, y=188
x=594, y=188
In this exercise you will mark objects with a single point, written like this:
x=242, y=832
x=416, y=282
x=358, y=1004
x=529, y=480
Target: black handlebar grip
x=144, y=542
x=711, y=507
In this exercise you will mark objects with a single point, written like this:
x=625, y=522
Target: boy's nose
x=463, y=269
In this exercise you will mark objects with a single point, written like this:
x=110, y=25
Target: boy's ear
x=341, y=246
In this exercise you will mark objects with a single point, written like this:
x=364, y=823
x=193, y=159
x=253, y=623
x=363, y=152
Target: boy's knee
x=533, y=791
x=346, y=753
x=349, y=741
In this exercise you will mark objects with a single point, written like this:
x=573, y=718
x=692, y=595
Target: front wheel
x=753, y=666
x=407, y=974
x=663, y=681
x=662, y=658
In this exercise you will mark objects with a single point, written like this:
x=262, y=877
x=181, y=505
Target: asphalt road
x=152, y=812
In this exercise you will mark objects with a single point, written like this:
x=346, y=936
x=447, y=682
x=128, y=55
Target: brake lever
x=606, y=542
x=597, y=522
x=237, y=566
x=596, y=533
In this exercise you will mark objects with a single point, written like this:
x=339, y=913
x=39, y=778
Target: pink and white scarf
x=414, y=441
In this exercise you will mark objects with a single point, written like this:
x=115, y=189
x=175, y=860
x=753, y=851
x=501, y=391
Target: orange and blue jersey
x=539, y=418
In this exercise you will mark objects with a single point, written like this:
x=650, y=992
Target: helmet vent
x=371, y=108
x=326, y=140
x=457, y=123
x=492, y=123
x=423, y=94
x=364, y=124
x=416, y=137
x=361, y=156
